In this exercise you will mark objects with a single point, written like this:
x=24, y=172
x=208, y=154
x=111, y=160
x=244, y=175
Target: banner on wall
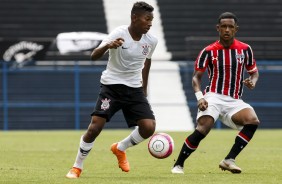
x=20, y=52
x=23, y=52
x=78, y=41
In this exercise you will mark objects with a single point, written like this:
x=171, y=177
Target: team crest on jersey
x=146, y=49
x=240, y=58
x=105, y=104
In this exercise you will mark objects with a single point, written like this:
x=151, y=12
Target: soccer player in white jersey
x=225, y=61
x=123, y=86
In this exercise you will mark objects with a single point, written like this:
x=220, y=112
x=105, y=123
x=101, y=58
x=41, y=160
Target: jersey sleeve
x=250, y=64
x=201, y=62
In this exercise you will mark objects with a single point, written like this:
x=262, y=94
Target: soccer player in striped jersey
x=225, y=61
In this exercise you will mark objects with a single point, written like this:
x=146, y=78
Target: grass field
x=46, y=156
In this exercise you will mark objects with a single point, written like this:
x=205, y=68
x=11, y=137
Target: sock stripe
x=84, y=152
x=244, y=137
x=132, y=140
x=189, y=145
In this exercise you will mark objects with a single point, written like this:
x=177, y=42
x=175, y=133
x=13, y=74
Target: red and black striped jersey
x=226, y=67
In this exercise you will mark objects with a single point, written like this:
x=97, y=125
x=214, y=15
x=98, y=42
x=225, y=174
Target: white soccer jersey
x=125, y=63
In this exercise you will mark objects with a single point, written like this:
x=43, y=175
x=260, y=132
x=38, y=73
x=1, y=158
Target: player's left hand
x=249, y=83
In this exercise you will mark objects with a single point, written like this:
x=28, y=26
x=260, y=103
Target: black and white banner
x=24, y=51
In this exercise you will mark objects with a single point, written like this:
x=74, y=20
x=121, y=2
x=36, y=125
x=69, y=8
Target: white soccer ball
x=161, y=145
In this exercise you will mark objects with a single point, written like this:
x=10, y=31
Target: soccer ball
x=161, y=145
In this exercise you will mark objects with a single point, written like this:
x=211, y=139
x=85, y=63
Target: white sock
x=133, y=139
x=83, y=150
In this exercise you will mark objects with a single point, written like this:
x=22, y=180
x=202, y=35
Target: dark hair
x=141, y=6
x=228, y=15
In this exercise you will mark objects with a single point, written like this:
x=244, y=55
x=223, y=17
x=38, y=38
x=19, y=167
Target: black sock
x=241, y=140
x=190, y=145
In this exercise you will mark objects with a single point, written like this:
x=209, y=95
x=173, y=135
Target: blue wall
x=50, y=97
x=63, y=97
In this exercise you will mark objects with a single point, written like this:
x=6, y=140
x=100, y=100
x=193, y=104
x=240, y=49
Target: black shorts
x=131, y=101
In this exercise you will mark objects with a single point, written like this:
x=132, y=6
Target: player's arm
x=251, y=81
x=197, y=80
x=103, y=48
x=145, y=74
x=252, y=69
x=196, y=84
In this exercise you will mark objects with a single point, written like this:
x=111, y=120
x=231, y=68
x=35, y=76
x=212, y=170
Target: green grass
x=46, y=156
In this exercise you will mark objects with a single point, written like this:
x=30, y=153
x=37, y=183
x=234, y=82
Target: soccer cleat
x=229, y=165
x=177, y=170
x=74, y=173
x=121, y=156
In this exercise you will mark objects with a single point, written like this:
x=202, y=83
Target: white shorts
x=223, y=107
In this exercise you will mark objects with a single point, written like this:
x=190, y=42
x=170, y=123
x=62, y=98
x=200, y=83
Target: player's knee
x=96, y=126
x=92, y=133
x=205, y=124
x=150, y=127
x=147, y=128
x=252, y=120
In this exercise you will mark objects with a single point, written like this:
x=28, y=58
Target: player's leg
x=137, y=112
x=105, y=108
x=248, y=118
x=204, y=125
x=249, y=121
x=145, y=129
x=205, y=121
x=85, y=145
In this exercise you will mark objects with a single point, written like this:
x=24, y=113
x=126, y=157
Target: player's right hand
x=202, y=104
x=115, y=43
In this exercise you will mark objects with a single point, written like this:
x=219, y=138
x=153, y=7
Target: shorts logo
x=105, y=104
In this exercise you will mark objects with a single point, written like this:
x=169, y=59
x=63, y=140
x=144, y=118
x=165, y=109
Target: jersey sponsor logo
x=146, y=49
x=124, y=47
x=240, y=58
x=214, y=59
x=105, y=104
